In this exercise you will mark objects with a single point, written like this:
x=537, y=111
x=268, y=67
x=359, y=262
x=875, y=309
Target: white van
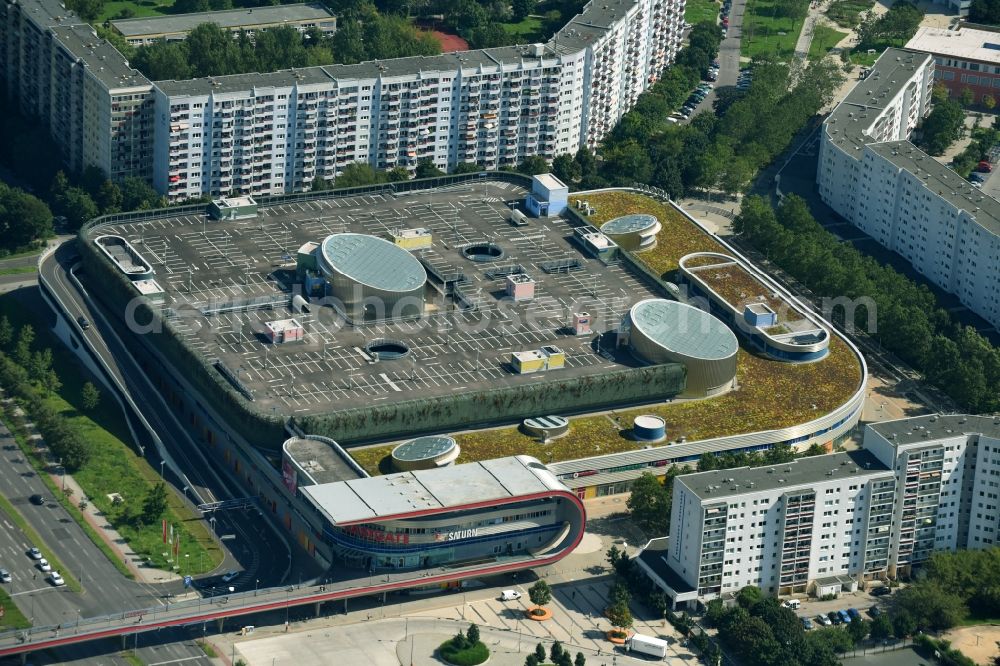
x=793, y=604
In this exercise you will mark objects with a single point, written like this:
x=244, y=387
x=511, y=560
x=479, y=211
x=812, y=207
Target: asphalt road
x=729, y=57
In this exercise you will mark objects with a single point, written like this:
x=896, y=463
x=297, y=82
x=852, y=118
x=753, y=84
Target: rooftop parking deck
x=243, y=271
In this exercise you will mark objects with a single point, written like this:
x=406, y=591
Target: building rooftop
x=654, y=555
x=942, y=181
x=550, y=182
x=406, y=493
x=100, y=58
x=319, y=460
x=964, y=43
x=719, y=484
x=684, y=329
x=936, y=426
x=230, y=19
x=373, y=261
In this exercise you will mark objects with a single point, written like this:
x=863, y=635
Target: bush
x=466, y=655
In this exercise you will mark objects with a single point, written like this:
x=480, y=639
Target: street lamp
x=255, y=584
x=162, y=463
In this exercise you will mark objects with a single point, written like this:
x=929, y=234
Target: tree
x=532, y=659
x=78, y=207
x=358, y=173
x=620, y=615
x=40, y=364
x=397, y=175
x=555, y=651
x=472, y=634
x=580, y=660
x=540, y=593
x=6, y=332
x=650, y=505
x=87, y=9
x=426, y=169
x=931, y=604
x=967, y=97
x=320, y=184
x=903, y=624
x=990, y=102
x=155, y=503
x=138, y=195
x=749, y=596
x=22, y=353
x=522, y=8
x=858, y=629
x=540, y=652
x=466, y=167
x=533, y=165
x=108, y=198
x=566, y=169
x=881, y=627
x=90, y=397
x=986, y=12
x=24, y=218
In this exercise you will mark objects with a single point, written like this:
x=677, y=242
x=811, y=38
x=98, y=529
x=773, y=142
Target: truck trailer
x=655, y=647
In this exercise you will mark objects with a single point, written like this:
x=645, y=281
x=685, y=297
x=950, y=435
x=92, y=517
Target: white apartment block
x=827, y=523
x=871, y=175
x=275, y=133
x=947, y=470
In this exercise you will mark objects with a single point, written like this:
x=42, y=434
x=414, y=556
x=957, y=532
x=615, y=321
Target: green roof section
x=373, y=261
x=684, y=329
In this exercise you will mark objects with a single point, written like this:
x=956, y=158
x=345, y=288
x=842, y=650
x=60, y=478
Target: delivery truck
x=654, y=647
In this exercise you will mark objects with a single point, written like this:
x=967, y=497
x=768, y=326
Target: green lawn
x=524, y=30
x=824, y=39
x=764, y=33
x=19, y=270
x=864, y=58
x=12, y=618
x=696, y=11
x=847, y=13
x=138, y=8
x=114, y=467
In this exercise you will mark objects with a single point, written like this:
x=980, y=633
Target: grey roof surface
x=654, y=555
x=799, y=473
x=319, y=460
x=373, y=261
x=229, y=18
x=423, y=448
x=383, y=497
x=629, y=223
x=101, y=58
x=50, y=12
x=888, y=76
x=937, y=426
x=684, y=329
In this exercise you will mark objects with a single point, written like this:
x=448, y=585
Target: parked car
x=984, y=167
x=56, y=579
x=510, y=595
x=229, y=575
x=823, y=620
x=835, y=617
x=874, y=611
x=881, y=591
x=34, y=553
x=43, y=565
x=855, y=615
x=844, y=616
x=794, y=604
x=4, y=576
x=806, y=623
x=37, y=500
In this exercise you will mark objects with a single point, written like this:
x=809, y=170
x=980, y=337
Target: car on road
x=56, y=579
x=37, y=500
x=4, y=576
x=823, y=620
x=82, y=321
x=881, y=591
x=34, y=553
x=510, y=595
x=229, y=575
x=806, y=623
x=43, y=565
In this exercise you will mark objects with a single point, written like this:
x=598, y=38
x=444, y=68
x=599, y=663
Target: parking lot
x=245, y=270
